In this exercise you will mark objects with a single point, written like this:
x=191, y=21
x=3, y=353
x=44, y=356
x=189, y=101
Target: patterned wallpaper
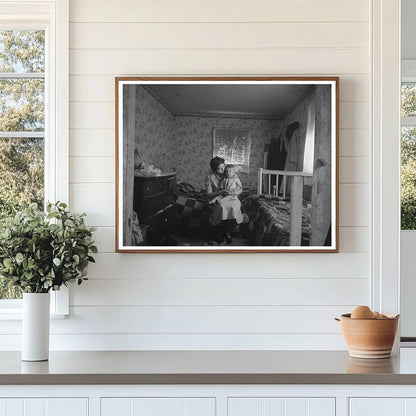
x=193, y=146
x=154, y=131
x=187, y=142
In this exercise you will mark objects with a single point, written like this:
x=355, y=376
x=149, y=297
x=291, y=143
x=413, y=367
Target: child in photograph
x=229, y=202
x=228, y=185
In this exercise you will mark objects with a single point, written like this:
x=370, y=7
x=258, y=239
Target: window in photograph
x=233, y=145
x=22, y=125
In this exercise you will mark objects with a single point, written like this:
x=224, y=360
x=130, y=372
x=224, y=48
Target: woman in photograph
x=224, y=216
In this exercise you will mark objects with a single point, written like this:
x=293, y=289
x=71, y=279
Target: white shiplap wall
x=260, y=301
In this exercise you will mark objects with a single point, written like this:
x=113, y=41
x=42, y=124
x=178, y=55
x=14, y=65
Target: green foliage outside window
x=21, y=110
x=408, y=179
x=408, y=160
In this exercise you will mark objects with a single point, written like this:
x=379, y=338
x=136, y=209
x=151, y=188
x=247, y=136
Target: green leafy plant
x=42, y=251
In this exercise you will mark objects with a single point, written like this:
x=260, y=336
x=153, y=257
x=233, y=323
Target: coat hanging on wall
x=277, y=157
x=277, y=154
x=293, y=158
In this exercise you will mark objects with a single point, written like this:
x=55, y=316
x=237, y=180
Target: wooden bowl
x=369, y=338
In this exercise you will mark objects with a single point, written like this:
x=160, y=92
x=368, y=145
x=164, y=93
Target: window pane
x=21, y=182
x=408, y=178
x=22, y=105
x=408, y=100
x=21, y=173
x=233, y=145
x=9, y=292
x=22, y=51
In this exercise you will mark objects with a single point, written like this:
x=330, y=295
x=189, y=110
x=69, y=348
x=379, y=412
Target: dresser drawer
x=154, y=187
x=155, y=203
x=152, y=195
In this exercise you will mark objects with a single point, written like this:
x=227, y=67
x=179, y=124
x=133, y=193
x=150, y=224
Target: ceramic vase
x=35, y=326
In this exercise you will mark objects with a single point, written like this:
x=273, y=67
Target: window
x=22, y=124
x=233, y=145
x=33, y=111
x=309, y=152
x=408, y=155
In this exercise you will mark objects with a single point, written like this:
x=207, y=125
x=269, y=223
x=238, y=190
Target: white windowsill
x=11, y=309
x=17, y=316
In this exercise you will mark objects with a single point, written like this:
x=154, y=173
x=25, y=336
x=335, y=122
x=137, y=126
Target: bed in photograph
x=271, y=221
x=266, y=219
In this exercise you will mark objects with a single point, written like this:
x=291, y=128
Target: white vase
x=35, y=326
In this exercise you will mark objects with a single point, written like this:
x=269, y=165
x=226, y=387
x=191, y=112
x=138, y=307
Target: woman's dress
x=228, y=207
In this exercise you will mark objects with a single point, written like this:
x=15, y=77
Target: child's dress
x=230, y=204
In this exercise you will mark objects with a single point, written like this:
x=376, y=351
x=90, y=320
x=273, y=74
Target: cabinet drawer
x=155, y=406
x=44, y=407
x=279, y=406
x=382, y=406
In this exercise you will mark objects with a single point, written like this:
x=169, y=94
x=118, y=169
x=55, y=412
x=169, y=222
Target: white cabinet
x=281, y=406
x=44, y=407
x=392, y=406
x=208, y=400
x=157, y=406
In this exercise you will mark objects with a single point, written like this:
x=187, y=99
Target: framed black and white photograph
x=227, y=164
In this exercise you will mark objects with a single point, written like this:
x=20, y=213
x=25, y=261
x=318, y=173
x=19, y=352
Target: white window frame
x=385, y=131
x=53, y=17
x=408, y=75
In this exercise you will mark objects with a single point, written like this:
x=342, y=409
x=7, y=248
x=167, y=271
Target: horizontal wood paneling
x=99, y=88
x=220, y=62
x=218, y=35
x=354, y=88
x=94, y=143
x=194, y=319
x=354, y=142
x=96, y=199
x=96, y=88
x=354, y=205
x=213, y=301
x=354, y=239
x=92, y=115
x=218, y=11
x=104, y=238
x=353, y=170
x=200, y=319
x=185, y=341
x=230, y=266
x=92, y=169
x=218, y=291
x=354, y=115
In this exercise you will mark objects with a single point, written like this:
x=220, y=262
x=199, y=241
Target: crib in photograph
x=269, y=185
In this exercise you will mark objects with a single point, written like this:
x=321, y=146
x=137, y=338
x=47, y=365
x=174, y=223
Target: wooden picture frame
x=168, y=198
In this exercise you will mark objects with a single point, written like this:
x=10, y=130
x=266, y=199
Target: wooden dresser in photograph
x=153, y=195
